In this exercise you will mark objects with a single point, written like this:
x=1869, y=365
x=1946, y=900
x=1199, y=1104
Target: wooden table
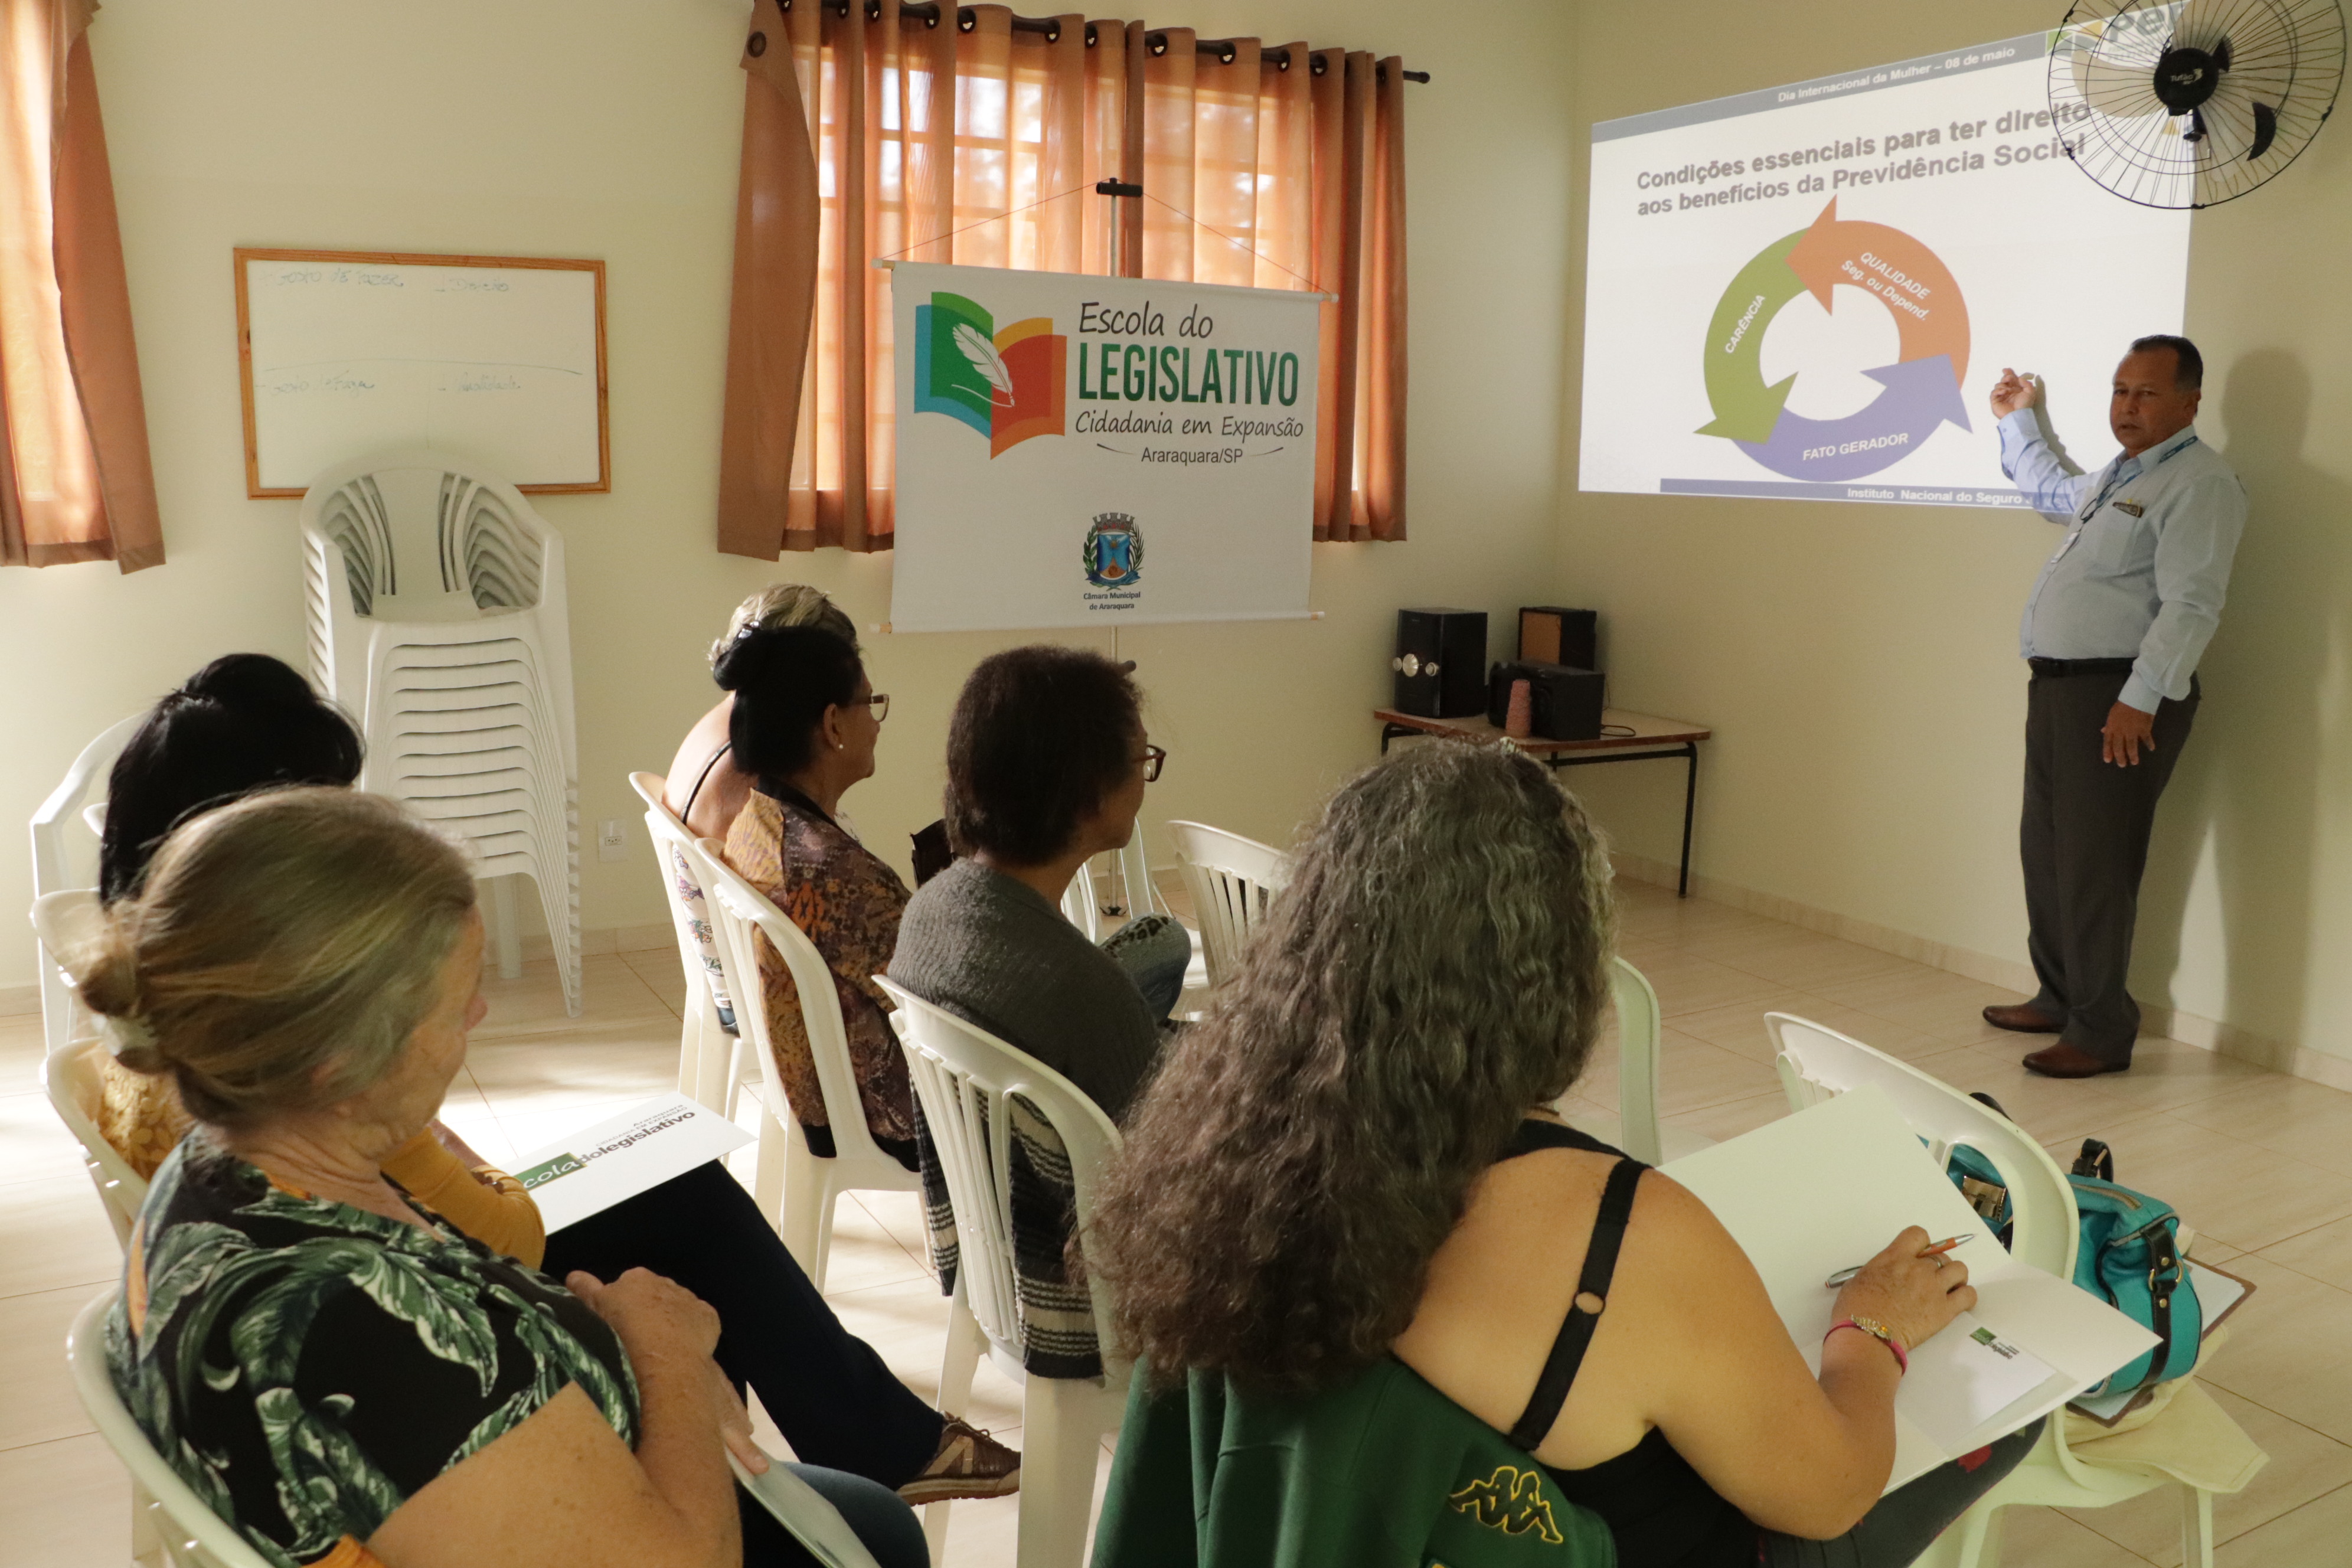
x=1624, y=738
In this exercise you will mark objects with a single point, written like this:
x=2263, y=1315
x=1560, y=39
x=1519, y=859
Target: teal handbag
x=2129, y=1256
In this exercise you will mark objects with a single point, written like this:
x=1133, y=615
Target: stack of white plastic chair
x=438, y=615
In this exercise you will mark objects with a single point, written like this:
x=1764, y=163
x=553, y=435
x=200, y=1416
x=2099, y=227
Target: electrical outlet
x=612, y=840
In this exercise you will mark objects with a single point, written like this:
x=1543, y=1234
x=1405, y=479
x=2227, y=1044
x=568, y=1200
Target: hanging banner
x=1076, y=450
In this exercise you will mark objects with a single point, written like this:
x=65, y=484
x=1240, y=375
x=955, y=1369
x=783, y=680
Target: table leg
x=1690, y=804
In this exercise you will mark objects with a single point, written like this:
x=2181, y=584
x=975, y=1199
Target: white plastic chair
x=62, y=860
x=165, y=1509
x=69, y=1072
x=1817, y=1063
x=1232, y=882
x=709, y=1059
x=792, y=1184
x=1635, y=1127
x=963, y=1077
x=435, y=610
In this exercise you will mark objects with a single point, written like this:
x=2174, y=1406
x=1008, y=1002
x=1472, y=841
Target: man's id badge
x=2130, y=508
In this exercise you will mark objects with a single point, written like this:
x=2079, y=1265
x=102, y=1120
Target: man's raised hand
x=2013, y=391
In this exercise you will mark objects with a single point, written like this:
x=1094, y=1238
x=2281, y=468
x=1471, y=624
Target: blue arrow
x=1920, y=395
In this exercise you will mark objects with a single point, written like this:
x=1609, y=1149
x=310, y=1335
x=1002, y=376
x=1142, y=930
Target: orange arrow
x=1930, y=317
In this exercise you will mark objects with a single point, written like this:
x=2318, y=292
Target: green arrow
x=1745, y=408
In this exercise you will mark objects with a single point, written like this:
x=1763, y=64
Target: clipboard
x=1805, y=1195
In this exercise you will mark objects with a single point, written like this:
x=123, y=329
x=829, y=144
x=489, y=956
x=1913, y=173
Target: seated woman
x=344, y=1376
x=1048, y=760
x=1353, y=1158
x=247, y=721
x=804, y=724
x=706, y=786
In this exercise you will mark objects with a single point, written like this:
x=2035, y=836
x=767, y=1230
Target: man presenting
x=2112, y=631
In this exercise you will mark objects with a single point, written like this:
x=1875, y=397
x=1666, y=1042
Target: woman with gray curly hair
x=340, y=1373
x=1355, y=1159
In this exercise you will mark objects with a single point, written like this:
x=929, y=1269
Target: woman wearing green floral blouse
x=338, y=1372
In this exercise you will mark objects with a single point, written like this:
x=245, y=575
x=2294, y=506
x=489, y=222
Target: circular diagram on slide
x=1919, y=392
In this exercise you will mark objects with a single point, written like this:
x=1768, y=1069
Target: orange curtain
x=75, y=482
x=872, y=132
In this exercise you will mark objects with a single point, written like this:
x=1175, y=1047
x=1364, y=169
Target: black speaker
x=1548, y=634
x=1565, y=706
x=1440, y=663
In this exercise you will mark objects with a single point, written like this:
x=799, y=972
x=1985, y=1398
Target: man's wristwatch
x=1876, y=1331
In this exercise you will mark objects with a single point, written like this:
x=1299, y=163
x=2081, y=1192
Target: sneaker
x=970, y=1464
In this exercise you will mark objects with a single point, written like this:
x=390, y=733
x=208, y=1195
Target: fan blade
x=2266, y=130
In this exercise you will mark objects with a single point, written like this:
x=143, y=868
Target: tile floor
x=2261, y=1163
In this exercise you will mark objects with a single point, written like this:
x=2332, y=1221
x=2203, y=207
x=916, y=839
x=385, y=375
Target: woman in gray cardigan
x=1047, y=761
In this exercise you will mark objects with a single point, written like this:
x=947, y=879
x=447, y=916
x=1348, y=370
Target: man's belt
x=2058, y=669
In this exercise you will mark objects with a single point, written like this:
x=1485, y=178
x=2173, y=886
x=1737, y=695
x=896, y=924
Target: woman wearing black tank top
x=1354, y=1157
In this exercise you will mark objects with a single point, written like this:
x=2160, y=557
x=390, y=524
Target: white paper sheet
x=1816, y=1191
x=589, y=1171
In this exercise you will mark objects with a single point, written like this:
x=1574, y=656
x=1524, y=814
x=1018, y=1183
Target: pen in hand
x=1933, y=1249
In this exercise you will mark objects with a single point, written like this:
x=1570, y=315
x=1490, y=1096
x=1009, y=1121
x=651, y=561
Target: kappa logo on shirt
x=1510, y=1500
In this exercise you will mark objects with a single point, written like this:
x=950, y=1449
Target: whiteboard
x=345, y=353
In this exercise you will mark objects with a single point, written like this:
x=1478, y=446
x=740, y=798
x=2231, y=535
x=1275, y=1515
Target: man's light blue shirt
x=2148, y=587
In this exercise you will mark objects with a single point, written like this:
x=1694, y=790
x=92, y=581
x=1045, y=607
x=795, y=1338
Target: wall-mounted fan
x=2184, y=103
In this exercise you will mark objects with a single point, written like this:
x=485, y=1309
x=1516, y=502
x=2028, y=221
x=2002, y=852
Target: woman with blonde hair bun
x=342, y=1374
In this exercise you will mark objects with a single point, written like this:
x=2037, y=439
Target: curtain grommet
x=756, y=45
x=966, y=19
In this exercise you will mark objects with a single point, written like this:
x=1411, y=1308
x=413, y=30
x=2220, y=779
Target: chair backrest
x=963, y=1077
x=199, y=1537
x=1232, y=882
x=69, y=1071
x=1816, y=1063
x=71, y=1077
x=675, y=856
x=739, y=910
x=57, y=830
x=1637, y=1063
x=1078, y=903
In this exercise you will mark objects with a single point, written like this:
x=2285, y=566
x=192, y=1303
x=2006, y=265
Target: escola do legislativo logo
x=1007, y=386
x=1112, y=554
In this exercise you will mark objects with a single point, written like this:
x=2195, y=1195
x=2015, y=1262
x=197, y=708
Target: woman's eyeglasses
x=1154, y=758
x=880, y=703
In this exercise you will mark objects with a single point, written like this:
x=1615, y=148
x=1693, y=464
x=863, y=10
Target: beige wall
x=1860, y=663
x=608, y=128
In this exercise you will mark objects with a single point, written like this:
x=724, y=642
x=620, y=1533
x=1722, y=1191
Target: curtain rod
x=928, y=12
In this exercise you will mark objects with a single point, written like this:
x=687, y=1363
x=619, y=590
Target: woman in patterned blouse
x=804, y=726
x=334, y=1368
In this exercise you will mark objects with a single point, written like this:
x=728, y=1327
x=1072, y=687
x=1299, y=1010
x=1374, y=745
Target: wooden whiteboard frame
x=243, y=254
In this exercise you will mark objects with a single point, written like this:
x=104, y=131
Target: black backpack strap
x=2096, y=1160
x=1576, y=1331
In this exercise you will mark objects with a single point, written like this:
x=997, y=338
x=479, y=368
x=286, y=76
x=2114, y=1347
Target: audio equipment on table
x=1566, y=702
x=1548, y=634
x=1440, y=657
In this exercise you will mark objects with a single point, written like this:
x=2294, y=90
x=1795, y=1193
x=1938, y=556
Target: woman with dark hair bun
x=803, y=727
x=243, y=721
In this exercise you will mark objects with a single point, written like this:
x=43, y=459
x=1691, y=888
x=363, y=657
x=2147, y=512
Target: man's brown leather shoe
x=2062, y=1060
x=2023, y=1017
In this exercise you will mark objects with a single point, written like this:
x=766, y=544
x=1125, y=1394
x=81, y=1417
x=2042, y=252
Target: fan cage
x=2270, y=74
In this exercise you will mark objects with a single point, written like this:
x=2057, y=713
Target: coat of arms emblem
x=1113, y=553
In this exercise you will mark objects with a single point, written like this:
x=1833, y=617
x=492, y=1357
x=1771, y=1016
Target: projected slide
x=1806, y=292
